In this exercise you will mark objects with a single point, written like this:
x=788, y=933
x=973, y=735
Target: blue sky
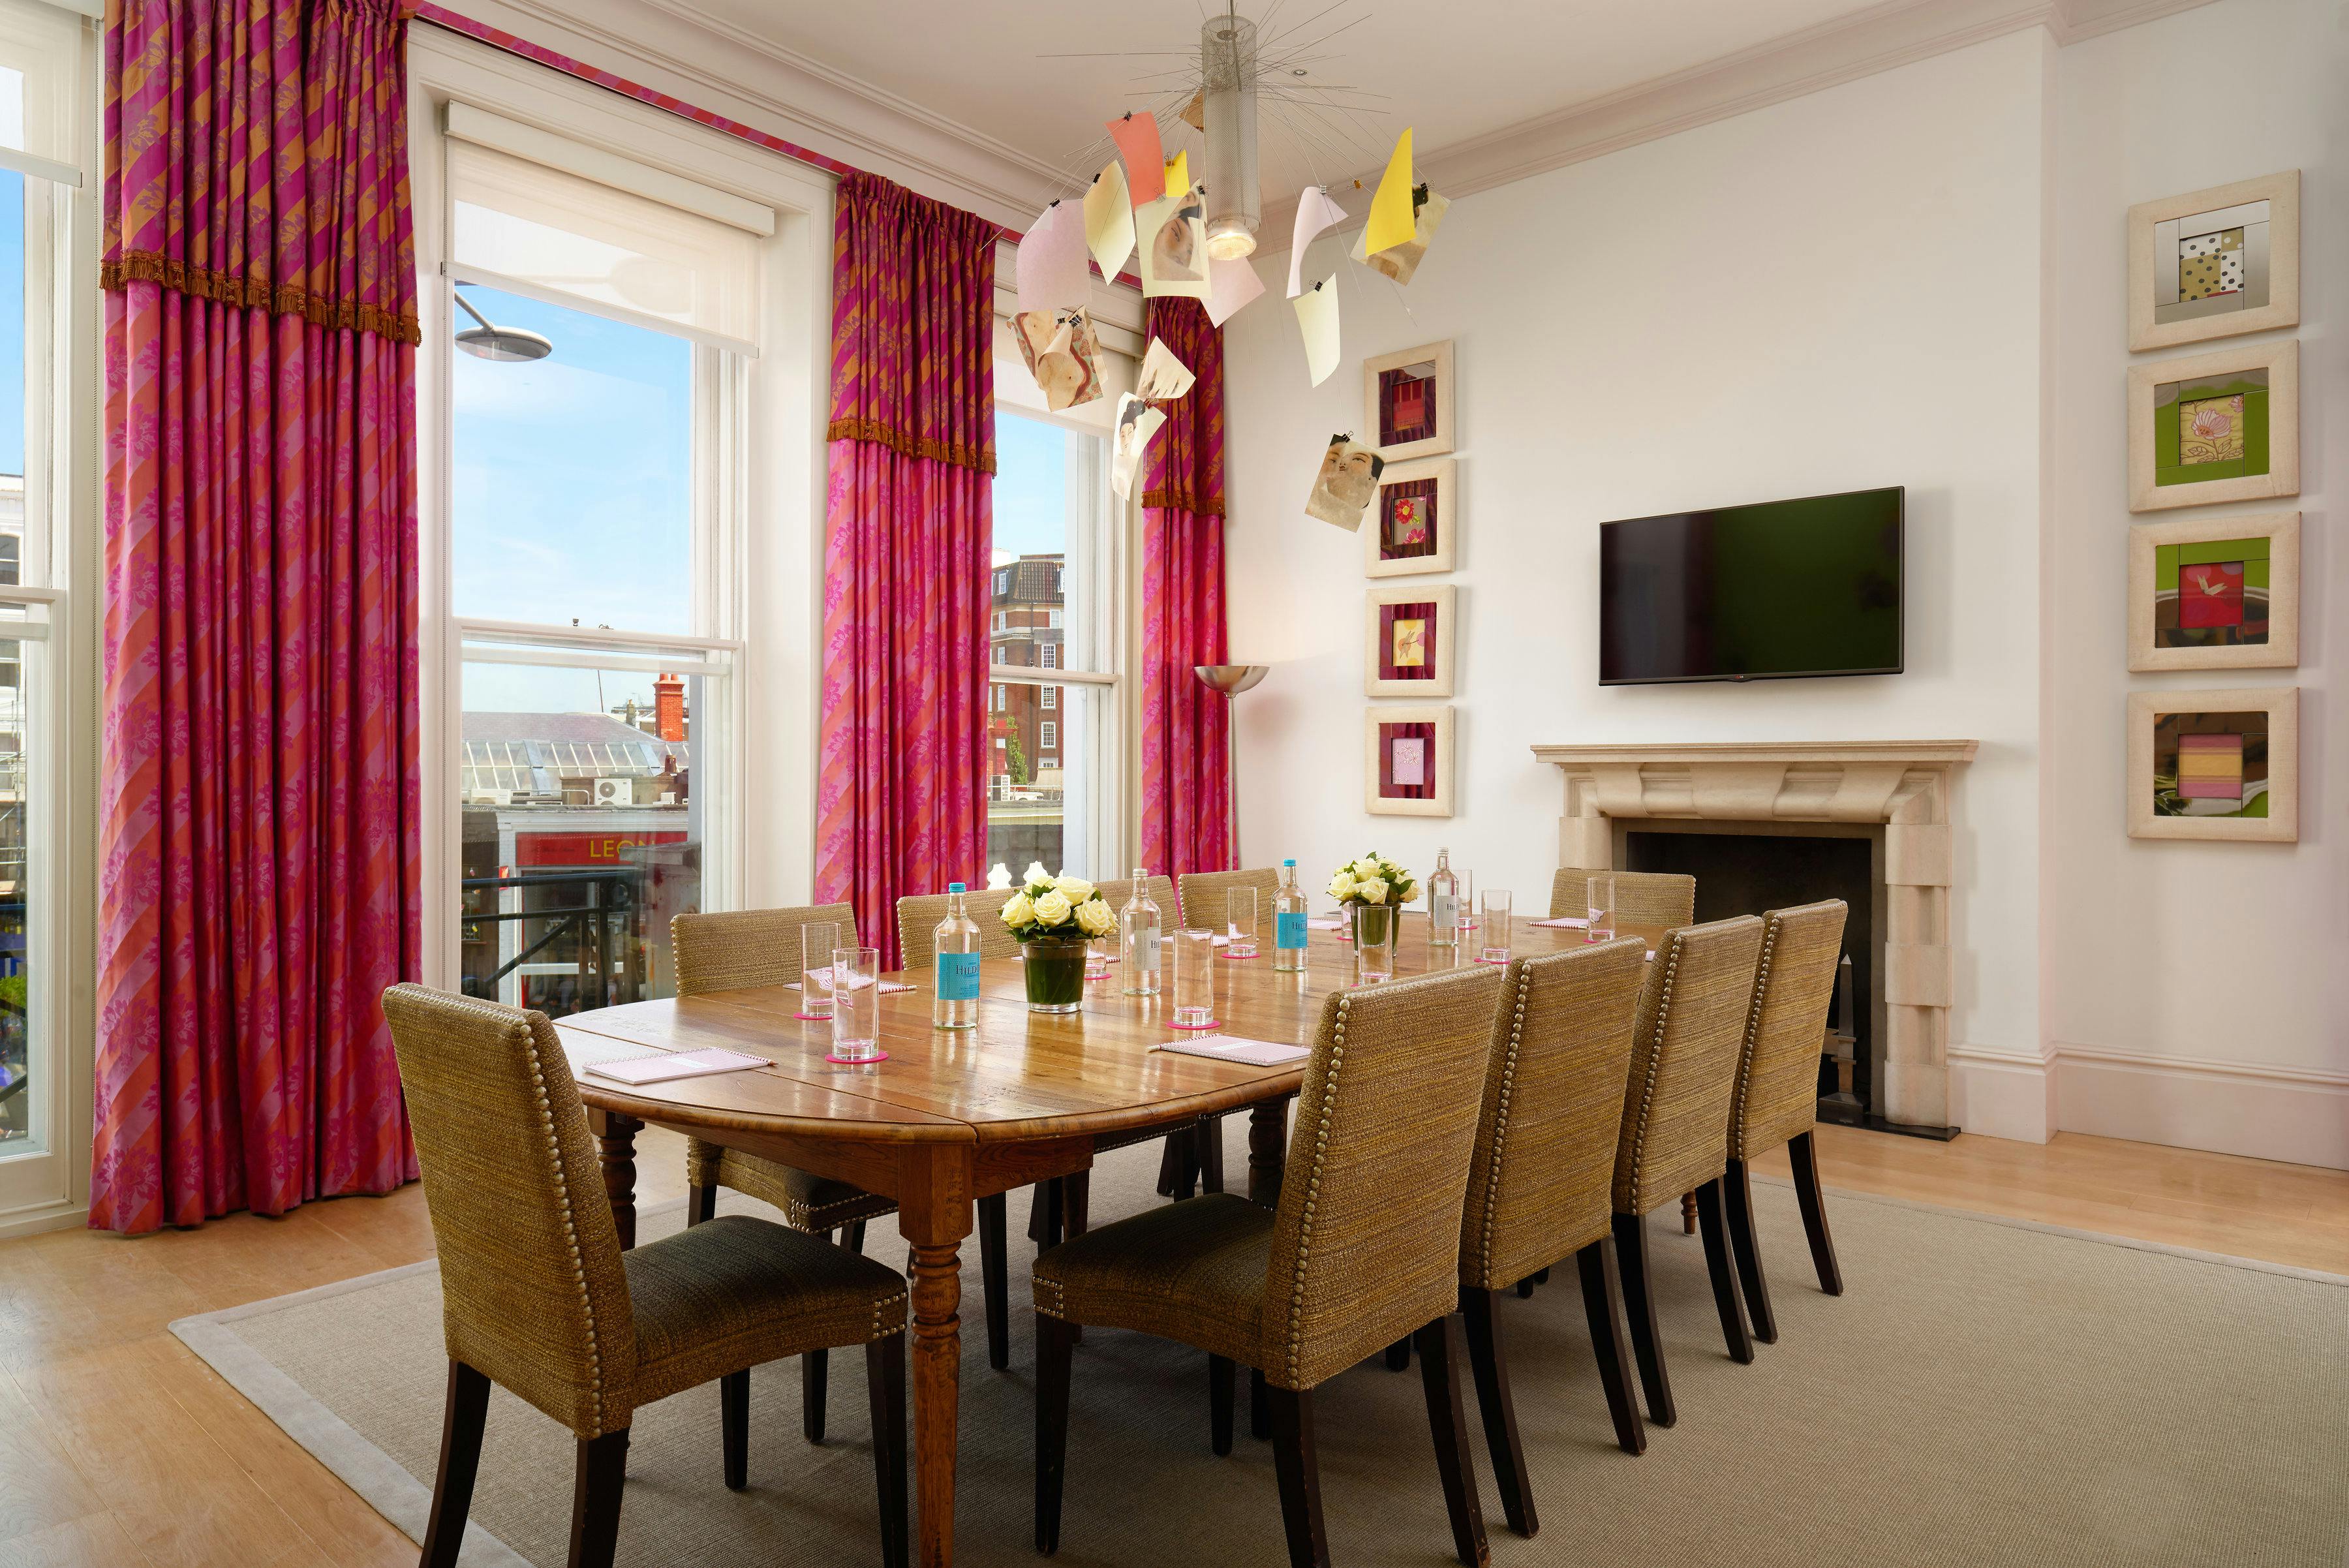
x=1030, y=467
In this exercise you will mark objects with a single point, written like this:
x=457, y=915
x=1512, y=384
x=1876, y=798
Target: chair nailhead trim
x=1655, y=1059
x=569, y=1234
x=1753, y=1038
x=1523, y=976
x=1313, y=1186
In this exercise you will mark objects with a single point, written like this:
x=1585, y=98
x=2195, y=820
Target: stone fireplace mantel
x=1903, y=786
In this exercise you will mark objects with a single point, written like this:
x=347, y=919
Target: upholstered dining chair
x=1364, y=1245
x=1777, y=1093
x=537, y=1296
x=1641, y=898
x=1684, y=1048
x=738, y=951
x=1540, y=1183
x=918, y=917
x=1207, y=895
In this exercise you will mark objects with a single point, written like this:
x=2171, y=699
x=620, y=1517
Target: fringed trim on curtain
x=278, y=299
x=1181, y=498
x=958, y=455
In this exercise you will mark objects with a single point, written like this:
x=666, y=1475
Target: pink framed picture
x=1407, y=761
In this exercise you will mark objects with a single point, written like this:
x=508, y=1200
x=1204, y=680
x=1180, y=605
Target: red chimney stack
x=669, y=707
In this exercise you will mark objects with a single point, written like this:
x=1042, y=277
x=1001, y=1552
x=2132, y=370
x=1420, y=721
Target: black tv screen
x=1752, y=593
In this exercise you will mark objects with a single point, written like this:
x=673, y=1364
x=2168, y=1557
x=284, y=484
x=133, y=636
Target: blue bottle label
x=1289, y=929
x=959, y=977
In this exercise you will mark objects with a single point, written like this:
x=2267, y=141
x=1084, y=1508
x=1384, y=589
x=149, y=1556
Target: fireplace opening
x=1745, y=867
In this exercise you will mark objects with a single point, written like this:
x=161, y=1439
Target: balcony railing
x=574, y=940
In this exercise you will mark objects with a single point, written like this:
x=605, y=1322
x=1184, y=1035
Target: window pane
x=1044, y=783
x=582, y=829
x=25, y=1060
x=1051, y=507
x=572, y=474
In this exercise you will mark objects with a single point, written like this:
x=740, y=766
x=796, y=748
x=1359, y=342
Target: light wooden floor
x=118, y=1449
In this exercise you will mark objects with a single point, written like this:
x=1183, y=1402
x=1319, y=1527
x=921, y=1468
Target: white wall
x=2197, y=993
x=1832, y=294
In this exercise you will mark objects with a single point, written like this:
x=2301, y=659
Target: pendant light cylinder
x=1227, y=71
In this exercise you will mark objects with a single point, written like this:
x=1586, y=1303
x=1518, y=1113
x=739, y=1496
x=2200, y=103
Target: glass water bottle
x=1442, y=903
x=1289, y=928
x=1137, y=939
x=954, y=957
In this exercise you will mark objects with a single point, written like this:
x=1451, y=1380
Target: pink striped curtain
x=259, y=866
x=1185, y=743
x=901, y=805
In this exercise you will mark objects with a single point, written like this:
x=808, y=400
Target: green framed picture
x=2215, y=428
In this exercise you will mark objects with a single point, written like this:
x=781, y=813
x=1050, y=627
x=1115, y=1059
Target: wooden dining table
x=955, y=1116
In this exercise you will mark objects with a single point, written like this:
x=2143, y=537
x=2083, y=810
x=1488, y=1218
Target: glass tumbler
x=1195, y=979
x=818, y=940
x=1240, y=916
x=1600, y=902
x=856, y=1006
x=1492, y=945
x=1468, y=925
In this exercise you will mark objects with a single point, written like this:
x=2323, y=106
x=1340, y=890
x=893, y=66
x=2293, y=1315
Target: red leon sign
x=583, y=848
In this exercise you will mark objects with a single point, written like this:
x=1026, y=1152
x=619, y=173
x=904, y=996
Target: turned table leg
x=1267, y=1150
x=615, y=1150
x=936, y=1214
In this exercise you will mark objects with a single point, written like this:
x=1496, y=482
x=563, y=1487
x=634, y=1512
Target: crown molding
x=1880, y=38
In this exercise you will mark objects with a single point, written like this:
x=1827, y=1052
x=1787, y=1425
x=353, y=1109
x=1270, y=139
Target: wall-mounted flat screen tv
x=1752, y=593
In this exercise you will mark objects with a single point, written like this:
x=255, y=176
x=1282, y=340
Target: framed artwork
x=2215, y=262
x=1415, y=520
x=1407, y=768
x=1407, y=399
x=1409, y=651
x=2218, y=427
x=2215, y=764
x=2221, y=593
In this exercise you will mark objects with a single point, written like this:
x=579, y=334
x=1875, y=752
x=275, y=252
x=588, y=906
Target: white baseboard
x=2293, y=1113
x=63, y=1215
x=2001, y=1094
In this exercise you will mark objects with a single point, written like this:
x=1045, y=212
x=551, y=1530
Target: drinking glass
x=818, y=940
x=1600, y=902
x=1097, y=959
x=1240, y=914
x=856, y=1006
x=1495, y=944
x=1195, y=979
x=1468, y=926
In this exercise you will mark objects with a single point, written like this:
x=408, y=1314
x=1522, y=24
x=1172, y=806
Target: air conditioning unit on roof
x=615, y=792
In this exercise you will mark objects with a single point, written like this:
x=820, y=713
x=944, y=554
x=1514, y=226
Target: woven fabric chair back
x=1366, y=1243
x=1777, y=1093
x=1162, y=893
x=1207, y=899
x=918, y=917
x=1641, y=898
x=1692, y=1025
x=1541, y=1182
x=747, y=947
x=534, y=1295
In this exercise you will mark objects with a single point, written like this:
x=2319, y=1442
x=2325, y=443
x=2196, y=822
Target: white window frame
x=1051, y=697
x=1047, y=736
x=758, y=477
x=46, y=1185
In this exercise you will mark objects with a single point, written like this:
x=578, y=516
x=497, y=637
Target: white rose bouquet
x=1373, y=879
x=1057, y=908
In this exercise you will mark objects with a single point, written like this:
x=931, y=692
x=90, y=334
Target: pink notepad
x=1578, y=922
x=1232, y=1048
x=668, y=1065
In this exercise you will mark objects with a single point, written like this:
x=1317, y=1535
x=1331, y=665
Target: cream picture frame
x=1441, y=645
x=2281, y=648
x=2278, y=363
x=1444, y=556
x=1446, y=436
x=2280, y=706
x=1439, y=802
x=2263, y=216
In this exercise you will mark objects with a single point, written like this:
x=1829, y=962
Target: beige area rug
x=1985, y=1392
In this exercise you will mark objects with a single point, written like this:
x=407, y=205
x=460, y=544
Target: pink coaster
x=1236, y=958
x=813, y=1017
x=1195, y=1028
x=857, y=1061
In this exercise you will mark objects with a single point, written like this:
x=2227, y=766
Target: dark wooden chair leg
x=1053, y=1352
x=1688, y=1213
x=885, y=1379
x=1639, y=1308
x=1259, y=1406
x=734, y=1421
x=700, y=1203
x=853, y=1239
x=815, y=1371
x=1737, y=1206
x=1399, y=1355
x=1186, y=1170
x=1489, y=1359
x=1723, y=1275
x=1298, y=1468
x=601, y=1471
x=460, y=1461
x=1222, y=1375
x=994, y=1272
x=1076, y=1203
x=1439, y=1373
x=1602, y=1305
x=1211, y=1153
x=1541, y=1276
x=1525, y=1289
x=1805, y=1160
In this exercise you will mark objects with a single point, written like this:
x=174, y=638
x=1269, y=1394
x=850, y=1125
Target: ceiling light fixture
x=1227, y=67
